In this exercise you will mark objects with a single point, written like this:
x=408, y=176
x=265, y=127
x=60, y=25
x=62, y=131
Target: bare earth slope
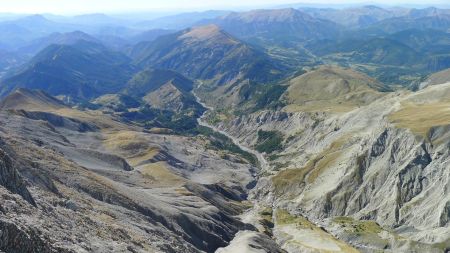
x=374, y=176
x=123, y=188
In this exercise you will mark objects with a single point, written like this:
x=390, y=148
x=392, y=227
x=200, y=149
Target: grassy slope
x=304, y=233
x=423, y=110
x=331, y=89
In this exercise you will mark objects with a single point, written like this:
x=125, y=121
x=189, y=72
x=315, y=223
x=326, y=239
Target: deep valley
x=286, y=129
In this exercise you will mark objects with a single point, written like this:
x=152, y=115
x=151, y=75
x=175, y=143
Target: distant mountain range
x=230, y=47
x=272, y=130
x=281, y=26
x=356, y=17
x=81, y=70
x=181, y=21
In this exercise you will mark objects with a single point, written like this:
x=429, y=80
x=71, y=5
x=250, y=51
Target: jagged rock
x=117, y=188
x=16, y=240
x=11, y=180
x=358, y=164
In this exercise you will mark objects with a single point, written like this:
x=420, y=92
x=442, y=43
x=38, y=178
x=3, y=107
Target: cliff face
x=16, y=237
x=15, y=196
x=366, y=165
x=11, y=180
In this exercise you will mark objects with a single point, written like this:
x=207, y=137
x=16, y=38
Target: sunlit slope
x=331, y=88
x=424, y=110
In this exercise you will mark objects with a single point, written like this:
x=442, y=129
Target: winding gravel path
x=264, y=165
x=244, y=238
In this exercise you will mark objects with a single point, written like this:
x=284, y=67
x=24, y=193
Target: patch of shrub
x=269, y=141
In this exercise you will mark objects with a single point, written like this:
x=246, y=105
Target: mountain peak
x=95, y=18
x=29, y=100
x=74, y=37
x=332, y=88
x=276, y=15
x=209, y=34
x=97, y=15
x=34, y=19
x=372, y=7
x=277, y=25
x=80, y=70
x=202, y=32
x=150, y=79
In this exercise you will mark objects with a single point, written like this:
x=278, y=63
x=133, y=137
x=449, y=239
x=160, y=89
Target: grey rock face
x=356, y=164
x=15, y=240
x=95, y=191
x=11, y=180
x=59, y=121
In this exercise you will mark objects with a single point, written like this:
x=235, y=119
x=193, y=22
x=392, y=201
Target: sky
x=117, y=6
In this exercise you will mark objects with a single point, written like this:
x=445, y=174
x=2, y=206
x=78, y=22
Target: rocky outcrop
x=96, y=160
x=59, y=121
x=249, y=241
x=16, y=240
x=355, y=164
x=11, y=179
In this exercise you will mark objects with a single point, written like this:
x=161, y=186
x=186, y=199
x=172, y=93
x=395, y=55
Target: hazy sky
x=89, y=6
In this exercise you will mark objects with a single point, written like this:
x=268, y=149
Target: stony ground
x=84, y=182
x=374, y=178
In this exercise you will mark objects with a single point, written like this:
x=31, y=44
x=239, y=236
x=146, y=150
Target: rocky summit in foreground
x=76, y=181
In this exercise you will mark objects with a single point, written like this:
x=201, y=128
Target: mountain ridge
x=81, y=70
x=269, y=130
